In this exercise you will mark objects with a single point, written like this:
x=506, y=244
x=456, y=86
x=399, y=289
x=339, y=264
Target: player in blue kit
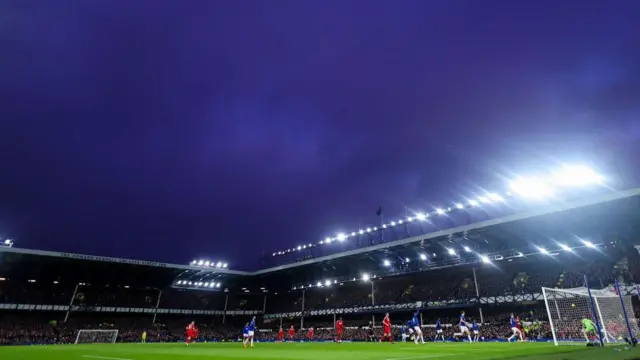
x=245, y=334
x=403, y=333
x=439, y=333
x=476, y=331
x=415, y=322
x=514, y=328
x=251, y=328
x=463, y=327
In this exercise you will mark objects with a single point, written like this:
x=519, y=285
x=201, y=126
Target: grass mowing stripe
x=424, y=356
x=102, y=357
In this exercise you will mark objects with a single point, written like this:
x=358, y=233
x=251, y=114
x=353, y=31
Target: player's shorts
x=387, y=331
x=439, y=331
x=515, y=330
x=410, y=331
x=250, y=333
x=417, y=329
x=475, y=332
x=464, y=329
x=404, y=336
x=245, y=335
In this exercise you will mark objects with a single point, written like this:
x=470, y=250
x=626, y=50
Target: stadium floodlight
x=318, y=283
x=193, y=263
x=406, y=260
x=200, y=263
x=423, y=257
x=393, y=223
x=299, y=247
x=485, y=259
x=328, y=240
x=473, y=202
x=353, y=233
x=368, y=229
x=365, y=277
x=225, y=265
x=399, y=221
x=219, y=265
x=375, y=228
x=207, y=263
x=409, y=219
x=467, y=249
x=386, y=263
x=576, y=175
x=327, y=283
x=361, y=232
x=459, y=206
x=588, y=244
x=218, y=285
x=565, y=247
x=440, y=211
x=341, y=237
x=451, y=251
x=531, y=188
x=384, y=226
x=335, y=281
x=543, y=250
x=421, y=216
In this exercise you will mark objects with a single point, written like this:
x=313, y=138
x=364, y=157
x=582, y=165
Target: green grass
x=316, y=351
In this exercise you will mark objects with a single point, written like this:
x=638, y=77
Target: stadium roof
x=503, y=237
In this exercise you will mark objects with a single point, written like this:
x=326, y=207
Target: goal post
x=609, y=316
x=92, y=336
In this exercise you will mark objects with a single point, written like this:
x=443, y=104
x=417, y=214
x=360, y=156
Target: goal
x=612, y=314
x=96, y=337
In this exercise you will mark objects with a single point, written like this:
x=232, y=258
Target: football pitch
x=316, y=351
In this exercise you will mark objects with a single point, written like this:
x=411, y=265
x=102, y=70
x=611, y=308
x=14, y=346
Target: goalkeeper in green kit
x=588, y=327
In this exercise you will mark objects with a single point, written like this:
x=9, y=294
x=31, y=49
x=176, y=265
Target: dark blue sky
x=170, y=130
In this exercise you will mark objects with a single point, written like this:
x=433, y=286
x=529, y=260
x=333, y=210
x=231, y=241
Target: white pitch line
x=423, y=357
x=102, y=357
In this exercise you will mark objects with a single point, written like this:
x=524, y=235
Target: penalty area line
x=102, y=357
x=423, y=357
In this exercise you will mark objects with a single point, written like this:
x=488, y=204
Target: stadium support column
x=73, y=297
x=475, y=282
x=224, y=313
x=264, y=305
x=373, y=303
x=155, y=311
x=302, y=313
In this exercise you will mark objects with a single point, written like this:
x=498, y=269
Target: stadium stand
x=488, y=270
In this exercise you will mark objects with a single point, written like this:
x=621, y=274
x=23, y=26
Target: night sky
x=171, y=130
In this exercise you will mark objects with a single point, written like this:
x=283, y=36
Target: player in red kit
x=191, y=328
x=292, y=332
x=310, y=335
x=339, y=328
x=519, y=326
x=386, y=324
x=280, y=335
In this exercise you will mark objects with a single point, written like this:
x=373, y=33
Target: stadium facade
x=489, y=267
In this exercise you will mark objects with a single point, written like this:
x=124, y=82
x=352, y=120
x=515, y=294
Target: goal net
x=96, y=337
x=569, y=310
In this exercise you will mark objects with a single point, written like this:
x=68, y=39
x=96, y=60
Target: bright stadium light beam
x=365, y=277
x=467, y=249
x=576, y=175
x=543, y=250
x=440, y=211
x=565, y=247
x=589, y=244
x=531, y=188
x=459, y=206
x=327, y=283
x=473, y=203
x=485, y=259
x=423, y=257
x=421, y=216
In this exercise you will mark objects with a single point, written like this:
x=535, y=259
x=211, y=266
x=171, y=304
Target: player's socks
x=251, y=341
